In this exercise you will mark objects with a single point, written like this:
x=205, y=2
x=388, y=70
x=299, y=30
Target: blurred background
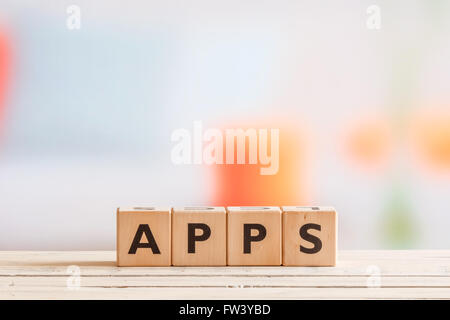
x=91, y=91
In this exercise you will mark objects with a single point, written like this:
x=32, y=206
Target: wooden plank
x=7, y=283
x=403, y=275
x=108, y=258
x=8, y=257
x=226, y=293
x=363, y=271
x=405, y=269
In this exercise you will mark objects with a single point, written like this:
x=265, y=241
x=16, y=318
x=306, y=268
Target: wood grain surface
x=94, y=275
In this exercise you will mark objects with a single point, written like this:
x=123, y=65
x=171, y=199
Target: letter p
x=248, y=238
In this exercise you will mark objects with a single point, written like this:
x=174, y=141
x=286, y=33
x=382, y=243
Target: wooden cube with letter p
x=199, y=236
x=144, y=236
x=254, y=236
x=309, y=236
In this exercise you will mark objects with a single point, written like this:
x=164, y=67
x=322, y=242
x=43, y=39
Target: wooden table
x=93, y=275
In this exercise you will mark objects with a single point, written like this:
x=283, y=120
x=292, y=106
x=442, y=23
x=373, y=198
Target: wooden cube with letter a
x=254, y=236
x=144, y=236
x=199, y=236
x=309, y=236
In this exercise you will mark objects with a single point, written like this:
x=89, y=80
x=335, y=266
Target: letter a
x=144, y=229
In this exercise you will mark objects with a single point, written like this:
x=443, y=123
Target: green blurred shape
x=398, y=227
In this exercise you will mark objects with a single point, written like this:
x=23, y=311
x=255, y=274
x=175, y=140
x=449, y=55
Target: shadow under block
x=199, y=236
x=309, y=236
x=144, y=237
x=254, y=236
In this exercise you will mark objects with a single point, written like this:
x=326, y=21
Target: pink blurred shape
x=5, y=58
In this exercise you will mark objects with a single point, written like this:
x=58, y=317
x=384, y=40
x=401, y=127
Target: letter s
x=311, y=238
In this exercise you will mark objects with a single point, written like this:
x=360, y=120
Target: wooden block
x=254, y=236
x=309, y=236
x=144, y=236
x=199, y=236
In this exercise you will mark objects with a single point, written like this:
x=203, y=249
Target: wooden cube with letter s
x=144, y=236
x=254, y=236
x=309, y=236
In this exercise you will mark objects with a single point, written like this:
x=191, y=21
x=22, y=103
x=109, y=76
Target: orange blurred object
x=243, y=185
x=4, y=72
x=431, y=136
x=368, y=142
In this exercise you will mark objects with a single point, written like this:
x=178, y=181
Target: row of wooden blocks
x=219, y=236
